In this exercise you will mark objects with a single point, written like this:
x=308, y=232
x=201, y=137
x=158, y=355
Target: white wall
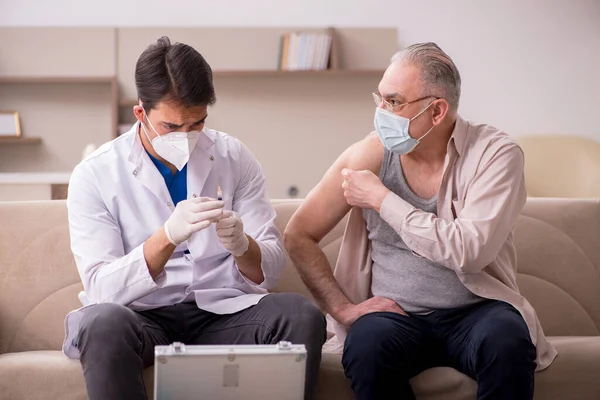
x=527, y=66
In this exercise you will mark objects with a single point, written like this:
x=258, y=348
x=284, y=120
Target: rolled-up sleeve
x=253, y=205
x=469, y=243
x=108, y=274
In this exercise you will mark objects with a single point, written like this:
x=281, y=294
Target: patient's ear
x=440, y=109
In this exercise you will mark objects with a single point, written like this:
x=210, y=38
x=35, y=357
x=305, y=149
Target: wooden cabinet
x=33, y=186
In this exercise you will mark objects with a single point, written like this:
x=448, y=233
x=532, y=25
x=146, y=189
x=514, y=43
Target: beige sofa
x=558, y=243
x=561, y=166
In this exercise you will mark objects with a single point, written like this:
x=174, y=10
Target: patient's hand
x=363, y=189
x=348, y=315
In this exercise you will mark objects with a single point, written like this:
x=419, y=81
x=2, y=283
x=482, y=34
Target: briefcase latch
x=178, y=348
x=283, y=345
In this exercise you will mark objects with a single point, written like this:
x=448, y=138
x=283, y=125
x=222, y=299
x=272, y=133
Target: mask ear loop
x=422, y=111
x=144, y=126
x=146, y=132
x=426, y=133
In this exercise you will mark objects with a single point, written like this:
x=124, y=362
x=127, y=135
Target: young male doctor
x=161, y=258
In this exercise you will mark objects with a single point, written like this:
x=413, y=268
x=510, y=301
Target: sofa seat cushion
x=574, y=372
x=42, y=375
x=433, y=384
x=573, y=375
x=37, y=375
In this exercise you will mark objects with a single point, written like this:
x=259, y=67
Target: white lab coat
x=118, y=199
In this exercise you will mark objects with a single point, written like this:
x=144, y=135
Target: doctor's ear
x=440, y=110
x=138, y=112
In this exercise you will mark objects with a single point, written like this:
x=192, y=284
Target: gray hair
x=439, y=75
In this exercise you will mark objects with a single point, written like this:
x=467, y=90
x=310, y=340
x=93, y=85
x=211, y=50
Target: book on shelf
x=302, y=51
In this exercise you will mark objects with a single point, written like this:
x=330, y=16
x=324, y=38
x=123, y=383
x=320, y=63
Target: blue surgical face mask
x=393, y=131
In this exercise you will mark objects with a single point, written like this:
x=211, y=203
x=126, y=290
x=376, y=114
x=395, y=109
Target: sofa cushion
x=559, y=272
x=441, y=383
x=41, y=375
x=561, y=165
x=573, y=375
x=559, y=264
x=556, y=240
x=36, y=265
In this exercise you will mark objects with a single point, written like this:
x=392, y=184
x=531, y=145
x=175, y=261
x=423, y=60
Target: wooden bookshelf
x=110, y=80
x=256, y=52
x=80, y=96
x=310, y=73
x=20, y=141
x=277, y=74
x=60, y=80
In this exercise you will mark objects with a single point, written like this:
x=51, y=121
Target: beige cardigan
x=481, y=195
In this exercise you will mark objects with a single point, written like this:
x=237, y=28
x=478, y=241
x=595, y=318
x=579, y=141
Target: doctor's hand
x=191, y=216
x=230, y=230
x=363, y=189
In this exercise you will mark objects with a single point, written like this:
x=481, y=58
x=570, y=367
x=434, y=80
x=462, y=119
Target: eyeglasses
x=389, y=106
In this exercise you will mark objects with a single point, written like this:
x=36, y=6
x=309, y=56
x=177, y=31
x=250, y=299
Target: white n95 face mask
x=174, y=147
x=393, y=131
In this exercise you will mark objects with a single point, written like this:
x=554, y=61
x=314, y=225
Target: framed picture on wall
x=10, y=127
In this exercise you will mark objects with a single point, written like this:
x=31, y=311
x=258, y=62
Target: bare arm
x=322, y=210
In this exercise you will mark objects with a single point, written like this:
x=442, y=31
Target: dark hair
x=175, y=73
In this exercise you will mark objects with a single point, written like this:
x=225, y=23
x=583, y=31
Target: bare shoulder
x=325, y=205
x=366, y=154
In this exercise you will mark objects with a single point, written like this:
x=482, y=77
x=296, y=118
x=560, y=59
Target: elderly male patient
x=439, y=196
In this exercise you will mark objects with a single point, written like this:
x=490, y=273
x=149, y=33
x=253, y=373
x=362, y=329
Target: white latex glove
x=191, y=216
x=230, y=230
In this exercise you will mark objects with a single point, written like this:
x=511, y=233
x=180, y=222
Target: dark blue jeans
x=489, y=342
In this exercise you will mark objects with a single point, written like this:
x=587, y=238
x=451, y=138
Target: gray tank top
x=417, y=284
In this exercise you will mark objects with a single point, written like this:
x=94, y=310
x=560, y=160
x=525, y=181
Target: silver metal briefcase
x=186, y=372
